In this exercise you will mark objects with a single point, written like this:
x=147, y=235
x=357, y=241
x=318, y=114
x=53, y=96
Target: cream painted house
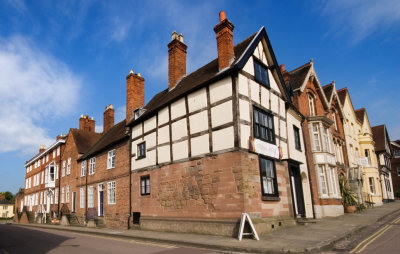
x=6, y=209
x=372, y=191
x=219, y=142
x=352, y=130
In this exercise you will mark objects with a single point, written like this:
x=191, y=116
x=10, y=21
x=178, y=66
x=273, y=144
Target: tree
x=9, y=196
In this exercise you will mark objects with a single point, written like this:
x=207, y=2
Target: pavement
x=317, y=237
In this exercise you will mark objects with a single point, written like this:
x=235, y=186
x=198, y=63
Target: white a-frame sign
x=245, y=217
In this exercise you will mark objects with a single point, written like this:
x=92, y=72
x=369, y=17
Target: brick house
x=322, y=126
x=214, y=144
x=395, y=163
x=105, y=174
x=42, y=180
x=384, y=153
x=79, y=142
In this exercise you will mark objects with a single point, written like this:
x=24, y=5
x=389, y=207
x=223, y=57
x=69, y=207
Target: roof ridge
x=300, y=67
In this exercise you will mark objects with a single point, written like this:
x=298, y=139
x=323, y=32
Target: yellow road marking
x=373, y=239
x=375, y=234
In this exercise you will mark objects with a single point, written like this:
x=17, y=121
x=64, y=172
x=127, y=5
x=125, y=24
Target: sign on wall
x=264, y=148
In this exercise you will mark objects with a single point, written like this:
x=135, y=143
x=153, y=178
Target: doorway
x=73, y=201
x=101, y=199
x=297, y=191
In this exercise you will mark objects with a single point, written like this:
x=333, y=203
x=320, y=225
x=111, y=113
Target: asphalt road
x=16, y=239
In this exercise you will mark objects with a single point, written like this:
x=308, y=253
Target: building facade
x=395, y=164
x=215, y=143
x=372, y=191
x=322, y=122
x=384, y=153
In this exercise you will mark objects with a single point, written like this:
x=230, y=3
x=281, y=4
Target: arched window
x=311, y=104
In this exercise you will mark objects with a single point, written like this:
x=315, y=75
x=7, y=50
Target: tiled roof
x=328, y=89
x=379, y=137
x=5, y=202
x=360, y=115
x=298, y=75
x=192, y=81
x=84, y=140
x=113, y=136
x=342, y=94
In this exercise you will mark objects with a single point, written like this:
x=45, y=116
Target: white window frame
x=316, y=137
x=111, y=159
x=311, y=104
x=83, y=168
x=63, y=169
x=58, y=151
x=67, y=195
x=323, y=187
x=90, y=196
x=69, y=166
x=82, y=198
x=92, y=165
x=62, y=195
x=111, y=193
x=56, y=196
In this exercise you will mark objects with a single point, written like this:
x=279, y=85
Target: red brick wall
x=218, y=187
x=176, y=61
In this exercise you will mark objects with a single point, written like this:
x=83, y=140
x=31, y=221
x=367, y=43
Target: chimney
x=223, y=31
x=134, y=93
x=176, y=59
x=60, y=137
x=285, y=73
x=86, y=123
x=108, y=120
x=42, y=148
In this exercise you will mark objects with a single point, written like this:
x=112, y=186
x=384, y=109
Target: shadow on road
x=15, y=239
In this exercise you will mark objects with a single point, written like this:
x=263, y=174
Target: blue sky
x=61, y=59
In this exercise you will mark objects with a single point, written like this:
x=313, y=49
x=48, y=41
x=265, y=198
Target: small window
x=269, y=183
x=69, y=166
x=90, y=197
x=263, y=124
x=316, y=140
x=371, y=185
x=83, y=168
x=141, y=150
x=92, y=165
x=261, y=72
x=111, y=193
x=82, y=198
x=145, y=185
x=297, y=143
x=322, y=180
x=63, y=169
x=311, y=104
x=111, y=159
x=67, y=195
x=396, y=153
x=62, y=195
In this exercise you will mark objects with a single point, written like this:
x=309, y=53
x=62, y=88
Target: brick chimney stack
x=108, y=118
x=42, y=148
x=134, y=93
x=176, y=59
x=285, y=73
x=86, y=123
x=223, y=31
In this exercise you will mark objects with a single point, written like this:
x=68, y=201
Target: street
x=16, y=239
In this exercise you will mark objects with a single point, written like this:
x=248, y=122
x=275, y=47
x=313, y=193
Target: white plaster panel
x=221, y=114
x=255, y=92
x=274, y=103
x=223, y=139
x=244, y=110
x=259, y=52
x=178, y=108
x=264, y=97
x=244, y=136
x=198, y=122
x=163, y=154
x=200, y=145
x=150, y=140
x=197, y=100
x=137, y=130
x=273, y=82
x=249, y=66
x=180, y=150
x=163, y=134
x=276, y=125
x=149, y=160
x=149, y=124
x=179, y=129
x=221, y=90
x=163, y=116
x=284, y=149
x=282, y=107
x=243, y=85
x=294, y=153
x=283, y=129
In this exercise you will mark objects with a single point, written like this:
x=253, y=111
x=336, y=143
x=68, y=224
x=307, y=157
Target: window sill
x=139, y=158
x=110, y=168
x=145, y=195
x=266, y=198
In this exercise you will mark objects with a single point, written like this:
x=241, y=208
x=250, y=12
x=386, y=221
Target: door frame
x=100, y=188
x=74, y=201
x=296, y=188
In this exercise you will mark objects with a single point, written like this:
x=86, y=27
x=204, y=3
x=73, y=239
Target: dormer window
x=311, y=104
x=138, y=112
x=261, y=72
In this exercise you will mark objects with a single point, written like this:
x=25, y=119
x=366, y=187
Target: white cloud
x=362, y=18
x=35, y=88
